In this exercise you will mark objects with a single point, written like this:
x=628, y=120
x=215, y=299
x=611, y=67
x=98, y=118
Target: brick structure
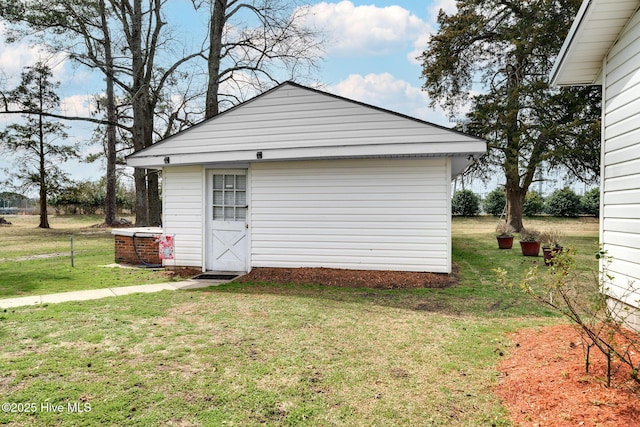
x=145, y=250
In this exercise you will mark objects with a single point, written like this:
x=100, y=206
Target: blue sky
x=369, y=56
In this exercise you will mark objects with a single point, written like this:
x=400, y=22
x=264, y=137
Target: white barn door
x=228, y=228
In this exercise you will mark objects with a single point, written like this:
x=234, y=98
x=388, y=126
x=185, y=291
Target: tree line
x=563, y=202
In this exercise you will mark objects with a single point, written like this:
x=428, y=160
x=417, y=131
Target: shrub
x=551, y=238
x=530, y=235
x=465, y=203
x=504, y=230
x=533, y=204
x=600, y=319
x=591, y=202
x=495, y=201
x=563, y=202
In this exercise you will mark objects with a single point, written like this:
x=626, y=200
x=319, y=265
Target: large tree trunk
x=515, y=204
x=110, y=207
x=514, y=191
x=44, y=217
x=216, y=28
x=153, y=192
x=140, y=181
x=155, y=214
x=139, y=93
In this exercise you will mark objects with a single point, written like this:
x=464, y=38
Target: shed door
x=228, y=238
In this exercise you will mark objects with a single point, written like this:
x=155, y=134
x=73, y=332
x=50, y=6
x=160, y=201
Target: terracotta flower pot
x=530, y=248
x=549, y=253
x=505, y=242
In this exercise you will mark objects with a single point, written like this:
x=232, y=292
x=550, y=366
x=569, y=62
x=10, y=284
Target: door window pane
x=241, y=182
x=217, y=197
x=217, y=213
x=241, y=198
x=217, y=182
x=241, y=214
x=228, y=213
x=229, y=197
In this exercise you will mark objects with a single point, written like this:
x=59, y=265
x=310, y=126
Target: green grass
x=476, y=255
x=35, y=261
x=279, y=354
x=252, y=355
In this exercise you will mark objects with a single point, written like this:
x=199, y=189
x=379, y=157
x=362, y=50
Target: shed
x=603, y=48
x=297, y=177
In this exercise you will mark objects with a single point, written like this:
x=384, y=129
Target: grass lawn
x=35, y=261
x=278, y=354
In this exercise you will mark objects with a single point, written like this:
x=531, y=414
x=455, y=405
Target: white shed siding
x=291, y=122
x=182, y=194
x=354, y=214
x=621, y=169
x=291, y=117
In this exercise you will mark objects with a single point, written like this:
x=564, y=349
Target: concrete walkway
x=107, y=292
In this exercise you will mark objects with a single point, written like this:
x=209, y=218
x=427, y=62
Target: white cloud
x=15, y=56
x=12, y=60
x=366, y=30
x=449, y=6
x=385, y=91
x=419, y=46
x=77, y=105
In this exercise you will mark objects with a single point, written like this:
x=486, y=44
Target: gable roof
x=294, y=122
x=595, y=30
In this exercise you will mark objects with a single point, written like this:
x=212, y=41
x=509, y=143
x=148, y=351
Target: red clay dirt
x=544, y=383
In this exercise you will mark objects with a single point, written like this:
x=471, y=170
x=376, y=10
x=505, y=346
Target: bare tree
x=128, y=61
x=256, y=56
x=125, y=40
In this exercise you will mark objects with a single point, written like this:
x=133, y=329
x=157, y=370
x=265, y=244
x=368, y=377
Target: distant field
x=582, y=226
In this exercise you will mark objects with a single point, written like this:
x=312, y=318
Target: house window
x=229, y=197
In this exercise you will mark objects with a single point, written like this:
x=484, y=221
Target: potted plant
x=530, y=242
x=504, y=236
x=551, y=245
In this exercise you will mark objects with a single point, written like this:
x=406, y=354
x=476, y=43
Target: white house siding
x=621, y=164
x=182, y=195
x=353, y=214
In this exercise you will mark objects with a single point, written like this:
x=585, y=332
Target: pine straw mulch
x=544, y=383
x=349, y=278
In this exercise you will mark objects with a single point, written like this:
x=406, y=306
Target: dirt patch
x=350, y=278
x=119, y=223
x=39, y=256
x=543, y=383
x=181, y=272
